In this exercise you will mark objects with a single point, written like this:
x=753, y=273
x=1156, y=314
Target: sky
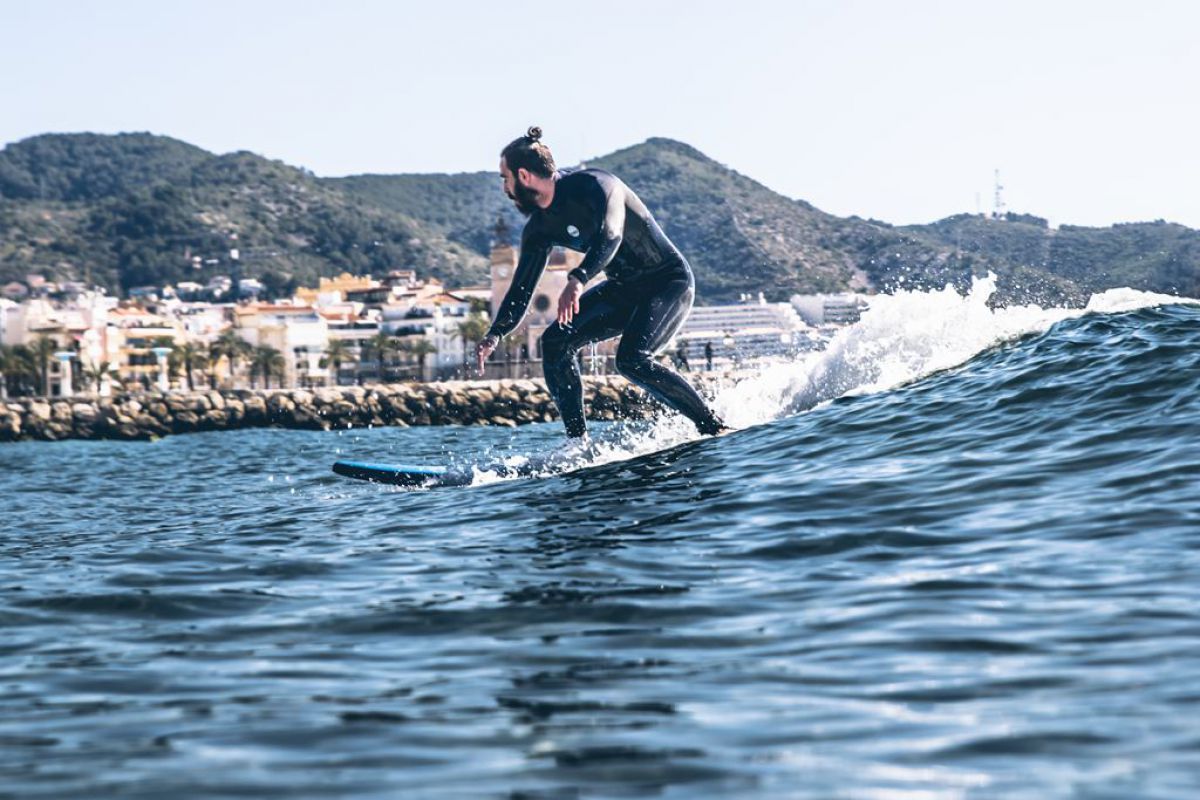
x=899, y=111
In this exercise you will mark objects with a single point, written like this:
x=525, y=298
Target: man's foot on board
x=713, y=426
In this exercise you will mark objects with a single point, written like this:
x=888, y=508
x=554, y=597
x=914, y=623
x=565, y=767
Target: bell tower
x=503, y=262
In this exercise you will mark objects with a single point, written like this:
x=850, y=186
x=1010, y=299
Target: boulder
x=302, y=416
x=235, y=410
x=10, y=426
x=131, y=431
x=255, y=410
x=84, y=412
x=341, y=410
x=185, y=422
x=280, y=402
x=326, y=396
x=214, y=420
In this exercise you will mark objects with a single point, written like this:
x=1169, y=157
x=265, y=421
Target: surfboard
x=429, y=477
x=401, y=475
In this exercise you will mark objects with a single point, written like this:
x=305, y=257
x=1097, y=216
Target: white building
x=830, y=309
x=742, y=332
x=299, y=333
x=8, y=311
x=348, y=324
x=435, y=319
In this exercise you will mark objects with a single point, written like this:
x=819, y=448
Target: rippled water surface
x=979, y=578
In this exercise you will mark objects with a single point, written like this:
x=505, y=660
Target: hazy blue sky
x=893, y=110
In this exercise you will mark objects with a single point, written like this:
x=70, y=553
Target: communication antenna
x=998, y=202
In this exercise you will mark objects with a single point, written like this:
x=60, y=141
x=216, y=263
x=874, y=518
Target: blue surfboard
x=398, y=474
x=428, y=477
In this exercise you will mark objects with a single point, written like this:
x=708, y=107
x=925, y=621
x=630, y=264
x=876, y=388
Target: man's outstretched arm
x=535, y=250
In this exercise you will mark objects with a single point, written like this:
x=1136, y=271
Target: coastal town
x=62, y=339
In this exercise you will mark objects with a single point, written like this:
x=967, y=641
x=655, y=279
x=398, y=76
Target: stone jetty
x=149, y=415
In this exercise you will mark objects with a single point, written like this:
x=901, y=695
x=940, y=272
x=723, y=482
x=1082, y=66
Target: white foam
x=902, y=337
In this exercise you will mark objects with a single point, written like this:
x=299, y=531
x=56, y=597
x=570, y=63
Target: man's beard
x=524, y=198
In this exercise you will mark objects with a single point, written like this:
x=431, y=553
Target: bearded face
x=523, y=197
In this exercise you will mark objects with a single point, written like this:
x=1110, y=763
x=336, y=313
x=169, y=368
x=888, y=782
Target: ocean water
x=955, y=555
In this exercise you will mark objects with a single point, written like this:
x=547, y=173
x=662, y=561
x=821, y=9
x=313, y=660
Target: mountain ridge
x=136, y=208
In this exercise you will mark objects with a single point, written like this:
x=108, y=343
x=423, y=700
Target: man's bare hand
x=484, y=349
x=568, y=301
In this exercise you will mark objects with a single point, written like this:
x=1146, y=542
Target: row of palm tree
x=18, y=370
x=25, y=369
x=383, y=348
x=191, y=357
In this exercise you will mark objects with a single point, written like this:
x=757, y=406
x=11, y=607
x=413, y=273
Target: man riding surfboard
x=645, y=300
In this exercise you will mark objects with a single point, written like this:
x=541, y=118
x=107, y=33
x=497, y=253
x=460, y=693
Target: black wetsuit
x=645, y=300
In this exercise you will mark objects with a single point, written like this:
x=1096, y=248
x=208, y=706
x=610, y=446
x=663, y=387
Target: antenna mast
x=998, y=202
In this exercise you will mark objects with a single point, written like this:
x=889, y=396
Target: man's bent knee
x=633, y=364
x=555, y=343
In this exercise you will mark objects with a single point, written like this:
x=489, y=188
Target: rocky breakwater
x=150, y=415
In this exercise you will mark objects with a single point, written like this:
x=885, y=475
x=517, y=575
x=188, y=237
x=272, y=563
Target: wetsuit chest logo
x=573, y=232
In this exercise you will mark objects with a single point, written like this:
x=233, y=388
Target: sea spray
x=903, y=337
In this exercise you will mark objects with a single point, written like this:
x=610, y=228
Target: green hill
x=740, y=236
x=462, y=207
x=137, y=209
x=72, y=167
x=1159, y=256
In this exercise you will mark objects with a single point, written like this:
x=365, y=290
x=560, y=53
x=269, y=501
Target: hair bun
x=534, y=133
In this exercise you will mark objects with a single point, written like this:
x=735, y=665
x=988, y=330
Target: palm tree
x=16, y=367
x=473, y=328
x=43, y=350
x=421, y=348
x=382, y=345
x=21, y=368
x=97, y=374
x=230, y=346
x=8, y=366
x=268, y=361
x=336, y=352
x=191, y=355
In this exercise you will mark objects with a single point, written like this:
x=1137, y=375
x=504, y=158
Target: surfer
x=646, y=298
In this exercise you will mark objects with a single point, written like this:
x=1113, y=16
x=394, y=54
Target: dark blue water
x=984, y=583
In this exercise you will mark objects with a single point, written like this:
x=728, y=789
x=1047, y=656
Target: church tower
x=503, y=261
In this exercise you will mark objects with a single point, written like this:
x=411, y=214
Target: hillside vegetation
x=138, y=209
